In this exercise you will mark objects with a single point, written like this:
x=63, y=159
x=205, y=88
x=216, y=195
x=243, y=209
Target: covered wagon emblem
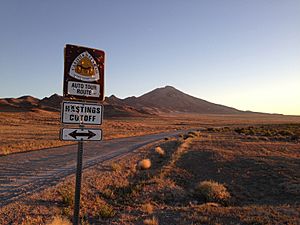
x=84, y=68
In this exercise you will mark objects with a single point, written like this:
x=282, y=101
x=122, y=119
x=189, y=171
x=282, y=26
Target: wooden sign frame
x=83, y=73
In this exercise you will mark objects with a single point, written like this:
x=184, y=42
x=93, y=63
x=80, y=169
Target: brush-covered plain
x=216, y=175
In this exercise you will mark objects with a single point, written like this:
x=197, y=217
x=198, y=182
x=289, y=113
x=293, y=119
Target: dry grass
x=254, y=172
x=26, y=131
x=67, y=195
x=260, y=176
x=115, y=166
x=152, y=221
x=160, y=151
x=29, y=131
x=212, y=191
x=147, y=208
x=58, y=220
x=105, y=211
x=144, y=164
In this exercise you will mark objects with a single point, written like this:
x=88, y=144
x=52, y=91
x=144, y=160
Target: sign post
x=83, y=90
x=78, y=183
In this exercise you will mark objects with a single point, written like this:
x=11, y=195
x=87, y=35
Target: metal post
x=78, y=183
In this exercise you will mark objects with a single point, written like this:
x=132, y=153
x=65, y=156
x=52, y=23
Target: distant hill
x=24, y=103
x=169, y=99
x=53, y=103
x=161, y=100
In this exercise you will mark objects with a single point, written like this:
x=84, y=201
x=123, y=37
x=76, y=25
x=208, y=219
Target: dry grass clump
x=5, y=152
x=194, y=133
x=279, y=132
x=147, y=208
x=191, y=134
x=106, y=211
x=57, y=220
x=152, y=221
x=108, y=193
x=67, y=195
x=212, y=191
x=116, y=167
x=144, y=164
x=160, y=151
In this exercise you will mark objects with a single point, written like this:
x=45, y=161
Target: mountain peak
x=170, y=99
x=53, y=102
x=27, y=97
x=165, y=88
x=169, y=87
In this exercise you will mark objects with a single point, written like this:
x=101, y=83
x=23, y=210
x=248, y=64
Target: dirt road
x=26, y=173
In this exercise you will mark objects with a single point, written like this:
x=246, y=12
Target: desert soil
x=258, y=166
x=28, y=131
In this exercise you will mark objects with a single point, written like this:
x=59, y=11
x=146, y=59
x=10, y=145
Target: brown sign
x=84, y=73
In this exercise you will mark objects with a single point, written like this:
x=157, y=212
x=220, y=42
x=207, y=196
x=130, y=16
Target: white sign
x=83, y=89
x=80, y=134
x=81, y=113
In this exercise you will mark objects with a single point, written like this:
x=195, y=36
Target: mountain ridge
x=160, y=100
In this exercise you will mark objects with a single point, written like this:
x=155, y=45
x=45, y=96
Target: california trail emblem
x=84, y=68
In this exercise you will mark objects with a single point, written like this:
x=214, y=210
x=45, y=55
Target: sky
x=240, y=53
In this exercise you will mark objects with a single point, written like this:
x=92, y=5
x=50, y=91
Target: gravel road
x=25, y=173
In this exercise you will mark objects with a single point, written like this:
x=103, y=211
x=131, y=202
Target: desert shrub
x=147, y=207
x=67, y=195
x=30, y=220
x=268, y=133
x=245, y=131
x=251, y=132
x=283, y=132
x=101, y=209
x=144, y=164
x=194, y=133
x=58, y=220
x=116, y=167
x=219, y=129
x=190, y=134
x=152, y=221
x=108, y=193
x=67, y=211
x=212, y=191
x=5, y=152
x=105, y=211
x=286, y=133
x=160, y=151
x=226, y=128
